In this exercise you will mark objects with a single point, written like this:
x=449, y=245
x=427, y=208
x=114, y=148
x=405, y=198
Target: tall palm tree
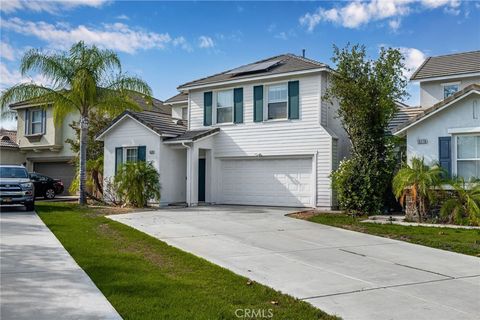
x=464, y=204
x=83, y=79
x=417, y=181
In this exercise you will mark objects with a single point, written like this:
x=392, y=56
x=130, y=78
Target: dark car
x=16, y=187
x=45, y=186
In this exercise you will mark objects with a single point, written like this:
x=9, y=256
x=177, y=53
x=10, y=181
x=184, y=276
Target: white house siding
x=275, y=138
x=177, y=110
x=431, y=92
x=458, y=115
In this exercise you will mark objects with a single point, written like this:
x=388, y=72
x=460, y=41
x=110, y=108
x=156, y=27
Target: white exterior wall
x=431, y=92
x=167, y=161
x=305, y=136
x=458, y=115
x=177, y=110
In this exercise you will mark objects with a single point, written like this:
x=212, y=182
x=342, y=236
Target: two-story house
x=42, y=142
x=447, y=130
x=259, y=134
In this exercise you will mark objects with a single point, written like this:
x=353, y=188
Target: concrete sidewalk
x=39, y=279
x=350, y=274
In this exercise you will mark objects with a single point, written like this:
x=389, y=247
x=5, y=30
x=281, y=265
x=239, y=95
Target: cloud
x=205, y=42
x=9, y=77
x=51, y=6
x=355, y=14
x=6, y=51
x=182, y=43
x=413, y=59
x=116, y=36
x=123, y=17
x=394, y=24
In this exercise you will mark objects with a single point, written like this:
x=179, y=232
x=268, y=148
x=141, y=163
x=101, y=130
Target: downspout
x=189, y=173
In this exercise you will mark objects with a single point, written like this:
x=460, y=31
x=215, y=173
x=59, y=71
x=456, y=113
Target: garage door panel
x=57, y=170
x=281, y=182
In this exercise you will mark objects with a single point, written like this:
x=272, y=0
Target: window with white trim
x=185, y=113
x=131, y=154
x=224, y=106
x=35, y=121
x=277, y=101
x=450, y=89
x=468, y=156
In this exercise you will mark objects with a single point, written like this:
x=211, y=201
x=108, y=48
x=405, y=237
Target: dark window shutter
x=27, y=120
x=44, y=120
x=142, y=153
x=258, y=103
x=207, y=109
x=118, y=158
x=238, y=105
x=293, y=100
x=445, y=154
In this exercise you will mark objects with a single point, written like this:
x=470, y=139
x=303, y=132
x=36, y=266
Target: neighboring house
x=42, y=142
x=9, y=150
x=447, y=131
x=260, y=134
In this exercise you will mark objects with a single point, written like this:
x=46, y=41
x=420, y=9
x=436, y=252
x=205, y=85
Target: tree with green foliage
x=419, y=182
x=366, y=91
x=83, y=80
x=464, y=205
x=137, y=182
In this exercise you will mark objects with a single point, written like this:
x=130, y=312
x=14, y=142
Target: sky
x=170, y=43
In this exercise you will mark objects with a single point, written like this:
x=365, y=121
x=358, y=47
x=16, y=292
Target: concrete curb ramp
x=39, y=279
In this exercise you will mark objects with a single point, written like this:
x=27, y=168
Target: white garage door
x=279, y=182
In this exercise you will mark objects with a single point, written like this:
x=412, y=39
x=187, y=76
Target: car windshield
x=13, y=172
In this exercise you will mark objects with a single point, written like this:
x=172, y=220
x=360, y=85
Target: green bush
x=137, y=182
x=464, y=206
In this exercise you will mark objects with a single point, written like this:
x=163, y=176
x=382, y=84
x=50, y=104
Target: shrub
x=137, y=182
x=464, y=206
x=417, y=181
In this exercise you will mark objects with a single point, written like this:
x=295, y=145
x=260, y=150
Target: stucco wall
x=11, y=156
x=458, y=115
x=431, y=92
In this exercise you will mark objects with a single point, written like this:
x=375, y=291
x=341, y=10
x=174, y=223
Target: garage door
x=57, y=170
x=279, y=182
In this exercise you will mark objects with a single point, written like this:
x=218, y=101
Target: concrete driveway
x=39, y=279
x=350, y=274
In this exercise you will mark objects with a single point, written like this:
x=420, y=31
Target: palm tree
x=464, y=204
x=83, y=79
x=417, y=181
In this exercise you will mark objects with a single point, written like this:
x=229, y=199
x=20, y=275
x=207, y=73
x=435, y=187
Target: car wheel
x=49, y=194
x=30, y=206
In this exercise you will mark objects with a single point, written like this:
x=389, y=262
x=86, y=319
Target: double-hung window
x=131, y=154
x=449, y=89
x=225, y=106
x=277, y=103
x=468, y=156
x=185, y=113
x=34, y=122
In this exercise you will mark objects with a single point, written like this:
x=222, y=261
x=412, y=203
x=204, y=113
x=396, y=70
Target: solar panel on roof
x=254, y=67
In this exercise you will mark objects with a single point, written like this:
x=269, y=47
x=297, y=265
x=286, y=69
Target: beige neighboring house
x=9, y=150
x=42, y=142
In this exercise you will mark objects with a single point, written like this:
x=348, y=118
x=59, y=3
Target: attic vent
x=5, y=138
x=262, y=66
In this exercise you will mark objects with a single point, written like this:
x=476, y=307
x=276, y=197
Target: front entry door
x=201, y=180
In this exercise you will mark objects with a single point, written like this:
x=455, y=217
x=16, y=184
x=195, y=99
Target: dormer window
x=185, y=113
x=449, y=89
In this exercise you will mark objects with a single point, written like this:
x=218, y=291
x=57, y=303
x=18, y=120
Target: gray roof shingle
x=448, y=65
x=404, y=114
x=181, y=97
x=192, y=135
x=287, y=63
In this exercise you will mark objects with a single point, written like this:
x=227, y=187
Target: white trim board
x=464, y=130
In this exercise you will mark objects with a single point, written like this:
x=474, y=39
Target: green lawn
x=145, y=278
x=458, y=240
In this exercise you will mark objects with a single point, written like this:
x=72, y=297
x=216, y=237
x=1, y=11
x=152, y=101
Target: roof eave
x=453, y=76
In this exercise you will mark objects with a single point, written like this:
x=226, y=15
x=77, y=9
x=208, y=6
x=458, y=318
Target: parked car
x=16, y=187
x=45, y=186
